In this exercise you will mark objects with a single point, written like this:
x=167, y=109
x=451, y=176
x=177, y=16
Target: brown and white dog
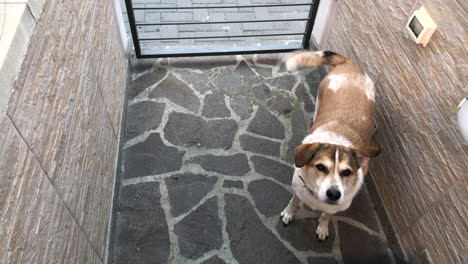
x=333, y=158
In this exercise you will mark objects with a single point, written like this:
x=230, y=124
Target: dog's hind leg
x=288, y=213
x=322, y=228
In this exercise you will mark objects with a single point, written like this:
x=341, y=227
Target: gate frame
x=182, y=52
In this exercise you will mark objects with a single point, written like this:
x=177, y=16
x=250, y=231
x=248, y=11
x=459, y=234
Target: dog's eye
x=345, y=173
x=321, y=167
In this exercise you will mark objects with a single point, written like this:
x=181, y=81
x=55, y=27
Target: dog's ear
x=304, y=153
x=363, y=154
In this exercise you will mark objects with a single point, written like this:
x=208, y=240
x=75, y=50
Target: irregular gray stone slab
x=370, y=249
x=245, y=70
x=299, y=131
x=268, y=59
x=290, y=155
x=270, y=198
x=282, y=68
x=189, y=130
x=235, y=165
x=151, y=157
x=219, y=133
x=301, y=234
x=203, y=63
x=260, y=145
x=143, y=116
x=250, y=240
x=140, y=238
x=281, y=104
x=305, y=98
x=214, y=260
x=318, y=260
x=262, y=92
x=215, y=106
x=266, y=124
x=177, y=92
x=141, y=65
x=241, y=106
x=314, y=89
x=362, y=210
x=135, y=87
x=314, y=76
x=139, y=197
x=233, y=184
x=186, y=190
x=323, y=72
x=313, y=79
x=253, y=81
x=299, y=126
x=199, y=81
x=271, y=168
x=140, y=234
x=285, y=82
x=230, y=83
x=200, y=231
x=264, y=72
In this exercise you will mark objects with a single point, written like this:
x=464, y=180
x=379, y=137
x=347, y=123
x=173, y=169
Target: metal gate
x=137, y=29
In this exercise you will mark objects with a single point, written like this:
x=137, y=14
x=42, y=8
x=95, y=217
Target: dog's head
x=331, y=171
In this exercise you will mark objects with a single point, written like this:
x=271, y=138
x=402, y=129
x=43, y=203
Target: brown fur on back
x=345, y=100
x=349, y=105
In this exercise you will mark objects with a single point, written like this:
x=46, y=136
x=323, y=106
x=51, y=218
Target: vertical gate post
x=133, y=28
x=310, y=24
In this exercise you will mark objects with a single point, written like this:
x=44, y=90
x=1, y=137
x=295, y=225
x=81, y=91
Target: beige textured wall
x=58, y=139
x=422, y=175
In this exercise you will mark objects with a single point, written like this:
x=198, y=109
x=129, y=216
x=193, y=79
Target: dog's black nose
x=333, y=194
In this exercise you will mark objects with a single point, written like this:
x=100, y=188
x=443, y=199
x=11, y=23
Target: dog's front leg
x=288, y=212
x=322, y=228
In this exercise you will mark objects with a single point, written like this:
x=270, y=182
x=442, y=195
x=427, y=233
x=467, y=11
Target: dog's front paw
x=286, y=216
x=322, y=232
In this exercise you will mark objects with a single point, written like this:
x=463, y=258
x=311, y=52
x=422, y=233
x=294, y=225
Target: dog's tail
x=303, y=59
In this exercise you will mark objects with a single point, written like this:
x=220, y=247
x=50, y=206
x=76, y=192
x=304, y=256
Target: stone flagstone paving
x=207, y=158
